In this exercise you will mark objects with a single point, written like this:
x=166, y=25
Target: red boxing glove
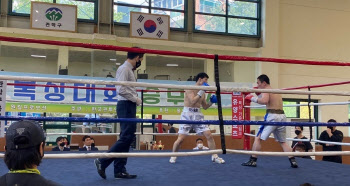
x=250, y=97
x=257, y=93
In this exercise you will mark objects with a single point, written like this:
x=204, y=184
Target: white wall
x=174, y=72
x=31, y=65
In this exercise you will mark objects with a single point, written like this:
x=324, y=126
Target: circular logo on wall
x=150, y=26
x=53, y=14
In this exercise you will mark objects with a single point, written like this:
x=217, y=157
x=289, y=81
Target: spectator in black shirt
x=61, y=144
x=25, y=142
x=334, y=135
x=299, y=133
x=88, y=144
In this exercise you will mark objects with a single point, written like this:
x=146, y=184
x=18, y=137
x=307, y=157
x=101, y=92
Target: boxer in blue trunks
x=274, y=113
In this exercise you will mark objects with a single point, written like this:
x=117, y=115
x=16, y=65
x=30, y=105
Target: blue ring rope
x=207, y=122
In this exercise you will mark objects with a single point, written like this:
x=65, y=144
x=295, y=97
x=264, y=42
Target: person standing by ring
x=126, y=108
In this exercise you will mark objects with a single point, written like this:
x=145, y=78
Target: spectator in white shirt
x=200, y=145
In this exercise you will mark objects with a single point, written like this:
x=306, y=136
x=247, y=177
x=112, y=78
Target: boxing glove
x=250, y=97
x=202, y=92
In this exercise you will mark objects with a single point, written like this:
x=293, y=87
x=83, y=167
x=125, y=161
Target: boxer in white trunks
x=194, y=99
x=274, y=113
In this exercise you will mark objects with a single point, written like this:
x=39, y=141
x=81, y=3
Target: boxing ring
x=193, y=168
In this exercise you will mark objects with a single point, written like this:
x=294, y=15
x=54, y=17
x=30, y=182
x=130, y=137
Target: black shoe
x=250, y=163
x=100, y=171
x=293, y=162
x=124, y=175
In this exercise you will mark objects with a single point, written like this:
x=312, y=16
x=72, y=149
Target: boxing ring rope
x=178, y=154
x=172, y=53
x=182, y=87
x=213, y=122
x=117, y=134
x=299, y=105
x=308, y=140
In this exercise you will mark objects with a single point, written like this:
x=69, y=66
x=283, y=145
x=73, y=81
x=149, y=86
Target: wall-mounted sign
x=53, y=16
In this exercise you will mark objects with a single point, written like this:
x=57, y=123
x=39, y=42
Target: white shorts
x=279, y=132
x=192, y=114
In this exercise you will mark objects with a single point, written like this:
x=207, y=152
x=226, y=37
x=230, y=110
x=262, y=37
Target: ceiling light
x=172, y=65
x=38, y=56
x=113, y=59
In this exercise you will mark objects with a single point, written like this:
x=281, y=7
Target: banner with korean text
x=152, y=26
x=53, y=16
x=3, y=85
x=237, y=114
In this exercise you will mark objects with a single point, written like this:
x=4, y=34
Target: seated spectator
x=61, y=145
x=300, y=147
x=299, y=132
x=334, y=135
x=25, y=142
x=199, y=145
x=88, y=145
x=66, y=142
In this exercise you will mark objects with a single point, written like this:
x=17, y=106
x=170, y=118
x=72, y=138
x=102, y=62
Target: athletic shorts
x=192, y=114
x=279, y=132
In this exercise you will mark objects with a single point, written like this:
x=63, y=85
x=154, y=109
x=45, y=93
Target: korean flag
x=149, y=25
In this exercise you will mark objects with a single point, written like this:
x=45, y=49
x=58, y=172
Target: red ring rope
x=172, y=53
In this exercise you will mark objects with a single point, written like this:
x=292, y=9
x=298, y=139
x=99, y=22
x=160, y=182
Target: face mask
x=297, y=151
x=62, y=144
x=92, y=144
x=200, y=145
x=330, y=128
x=297, y=132
x=138, y=64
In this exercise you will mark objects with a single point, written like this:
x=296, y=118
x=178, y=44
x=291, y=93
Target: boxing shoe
x=172, y=160
x=293, y=162
x=251, y=162
x=216, y=159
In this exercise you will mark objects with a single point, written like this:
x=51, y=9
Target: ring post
x=218, y=95
x=142, y=111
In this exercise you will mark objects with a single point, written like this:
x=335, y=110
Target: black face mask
x=62, y=144
x=92, y=144
x=138, y=64
x=297, y=132
x=330, y=128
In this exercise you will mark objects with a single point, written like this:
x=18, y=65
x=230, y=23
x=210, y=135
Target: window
x=301, y=112
x=176, y=9
x=87, y=9
x=236, y=17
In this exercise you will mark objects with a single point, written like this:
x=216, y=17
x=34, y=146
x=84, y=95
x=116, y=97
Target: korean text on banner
x=153, y=26
x=237, y=115
x=53, y=16
x=3, y=85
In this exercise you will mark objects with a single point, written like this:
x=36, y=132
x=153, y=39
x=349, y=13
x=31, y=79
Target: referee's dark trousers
x=125, y=109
